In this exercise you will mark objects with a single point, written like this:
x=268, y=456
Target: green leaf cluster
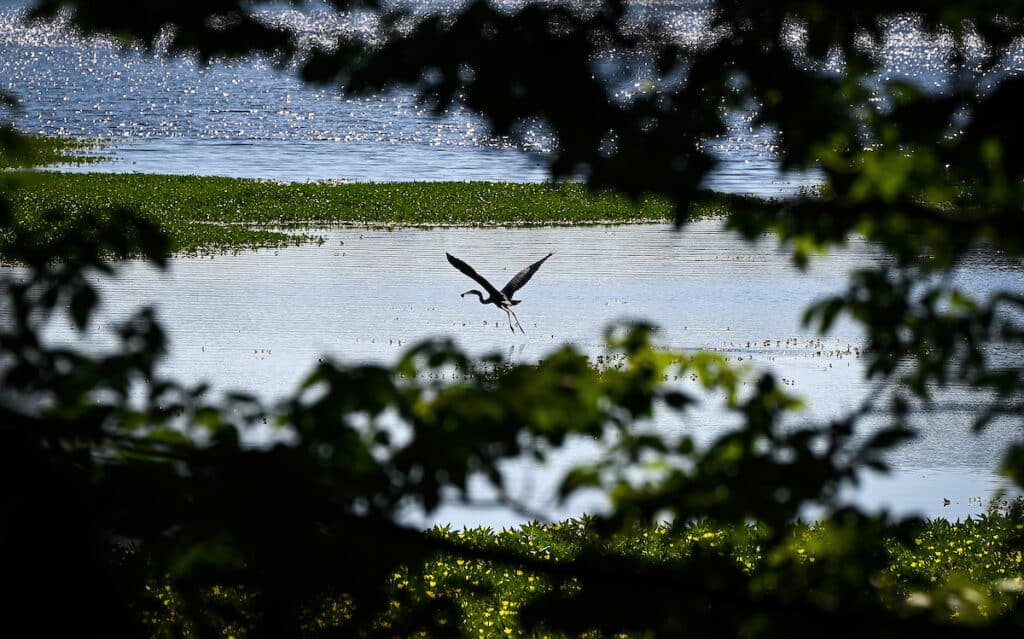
x=117, y=483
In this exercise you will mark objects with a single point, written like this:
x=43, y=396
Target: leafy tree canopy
x=115, y=480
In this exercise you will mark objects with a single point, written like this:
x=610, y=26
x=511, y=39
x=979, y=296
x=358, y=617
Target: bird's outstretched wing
x=522, y=277
x=468, y=270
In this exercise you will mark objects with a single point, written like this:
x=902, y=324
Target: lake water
x=258, y=321
x=246, y=119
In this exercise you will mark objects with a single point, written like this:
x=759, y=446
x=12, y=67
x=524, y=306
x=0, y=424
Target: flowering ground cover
x=965, y=571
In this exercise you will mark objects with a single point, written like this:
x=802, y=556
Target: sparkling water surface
x=259, y=320
x=250, y=119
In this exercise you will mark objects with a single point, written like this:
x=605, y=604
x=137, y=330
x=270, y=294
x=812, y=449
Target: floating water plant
x=203, y=214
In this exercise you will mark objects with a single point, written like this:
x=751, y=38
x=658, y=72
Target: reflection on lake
x=257, y=321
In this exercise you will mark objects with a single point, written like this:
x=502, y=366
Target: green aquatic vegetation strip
x=194, y=210
x=23, y=150
x=980, y=557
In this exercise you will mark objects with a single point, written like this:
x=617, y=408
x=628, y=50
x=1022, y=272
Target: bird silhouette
x=503, y=298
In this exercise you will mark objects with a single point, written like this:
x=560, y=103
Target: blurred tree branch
x=114, y=479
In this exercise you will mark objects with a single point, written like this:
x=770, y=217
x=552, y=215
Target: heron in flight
x=503, y=298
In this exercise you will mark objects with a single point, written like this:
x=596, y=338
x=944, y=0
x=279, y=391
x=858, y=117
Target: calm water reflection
x=257, y=321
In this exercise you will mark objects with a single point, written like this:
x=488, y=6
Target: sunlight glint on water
x=258, y=321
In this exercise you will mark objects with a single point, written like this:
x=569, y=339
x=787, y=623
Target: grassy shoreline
x=214, y=214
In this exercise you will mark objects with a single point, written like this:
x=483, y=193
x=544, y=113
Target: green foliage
x=118, y=484
x=288, y=531
x=972, y=570
x=18, y=150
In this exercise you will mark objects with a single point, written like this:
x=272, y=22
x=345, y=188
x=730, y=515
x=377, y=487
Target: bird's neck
x=477, y=293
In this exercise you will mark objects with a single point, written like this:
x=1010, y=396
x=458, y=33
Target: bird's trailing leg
x=510, y=323
x=513, y=313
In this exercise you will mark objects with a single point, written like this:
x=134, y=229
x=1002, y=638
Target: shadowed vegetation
x=970, y=571
x=117, y=482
